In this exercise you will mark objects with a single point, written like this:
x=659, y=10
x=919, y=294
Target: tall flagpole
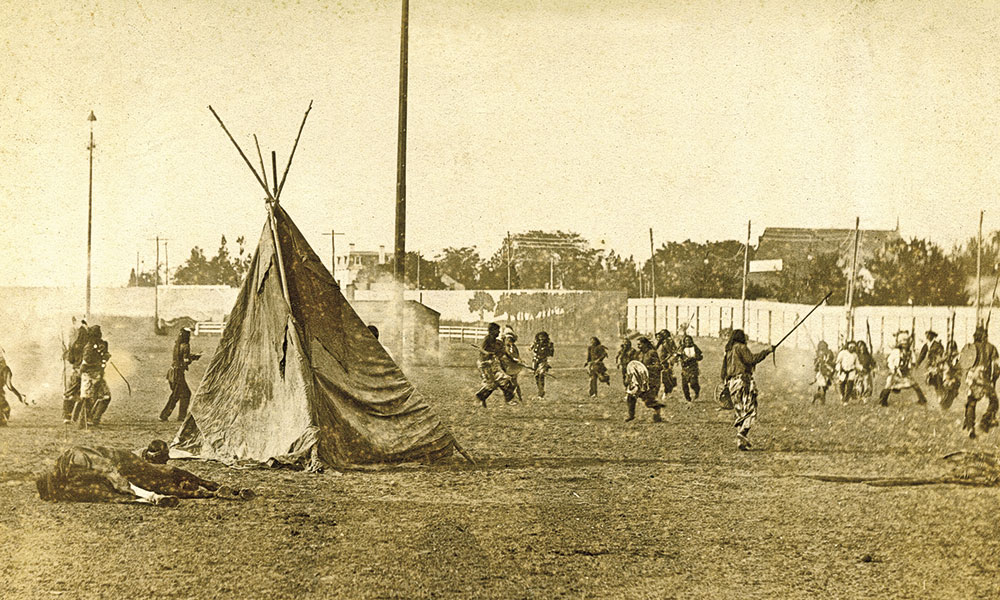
x=90, y=205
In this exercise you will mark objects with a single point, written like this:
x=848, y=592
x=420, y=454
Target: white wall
x=453, y=304
x=202, y=303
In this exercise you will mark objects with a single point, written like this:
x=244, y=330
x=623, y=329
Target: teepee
x=298, y=377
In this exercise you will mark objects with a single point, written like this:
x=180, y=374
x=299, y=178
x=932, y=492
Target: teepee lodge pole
x=240, y=150
x=281, y=186
x=277, y=252
x=260, y=157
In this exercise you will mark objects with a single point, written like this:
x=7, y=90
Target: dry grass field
x=567, y=501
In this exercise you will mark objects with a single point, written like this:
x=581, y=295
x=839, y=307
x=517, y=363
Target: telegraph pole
x=652, y=275
x=400, y=249
x=333, y=251
x=90, y=204
x=399, y=264
x=508, y=260
x=156, y=288
x=746, y=271
x=156, y=283
x=166, y=263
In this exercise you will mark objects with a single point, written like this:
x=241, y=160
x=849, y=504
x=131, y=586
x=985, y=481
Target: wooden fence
x=464, y=334
x=767, y=322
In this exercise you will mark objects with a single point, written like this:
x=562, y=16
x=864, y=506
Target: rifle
x=801, y=321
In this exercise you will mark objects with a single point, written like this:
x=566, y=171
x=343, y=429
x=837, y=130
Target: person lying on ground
x=102, y=474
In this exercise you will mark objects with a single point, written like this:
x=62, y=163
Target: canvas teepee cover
x=304, y=378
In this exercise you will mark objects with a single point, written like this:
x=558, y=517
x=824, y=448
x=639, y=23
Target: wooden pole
x=166, y=263
x=552, y=270
x=652, y=275
x=979, y=268
x=156, y=288
x=260, y=157
x=508, y=260
x=281, y=186
x=746, y=271
x=242, y=155
x=333, y=252
x=854, y=275
x=277, y=252
x=90, y=205
x=400, y=249
x=274, y=170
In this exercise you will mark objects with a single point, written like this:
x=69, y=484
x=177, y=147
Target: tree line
x=916, y=271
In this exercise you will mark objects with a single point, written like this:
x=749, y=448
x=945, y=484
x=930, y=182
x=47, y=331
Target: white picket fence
x=209, y=327
x=449, y=332
x=767, y=322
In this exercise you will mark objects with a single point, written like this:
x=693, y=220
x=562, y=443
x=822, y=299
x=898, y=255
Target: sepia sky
x=603, y=118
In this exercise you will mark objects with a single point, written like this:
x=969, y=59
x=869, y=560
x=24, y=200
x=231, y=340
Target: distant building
x=795, y=246
x=792, y=244
x=350, y=264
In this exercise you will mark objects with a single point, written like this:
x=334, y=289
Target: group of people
x=86, y=396
x=854, y=371
x=500, y=364
x=648, y=371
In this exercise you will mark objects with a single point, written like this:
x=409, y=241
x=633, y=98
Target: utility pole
x=652, y=275
x=418, y=269
x=508, y=260
x=166, y=263
x=156, y=283
x=552, y=272
x=90, y=204
x=156, y=289
x=333, y=251
x=746, y=271
x=854, y=276
x=979, y=267
x=400, y=249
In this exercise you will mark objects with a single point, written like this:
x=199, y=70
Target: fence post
x=697, y=321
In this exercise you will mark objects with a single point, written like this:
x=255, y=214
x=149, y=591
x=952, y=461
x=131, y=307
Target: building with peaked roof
x=793, y=244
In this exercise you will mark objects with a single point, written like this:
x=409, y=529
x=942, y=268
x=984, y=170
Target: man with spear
x=738, y=366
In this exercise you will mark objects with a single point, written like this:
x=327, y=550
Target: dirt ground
x=568, y=501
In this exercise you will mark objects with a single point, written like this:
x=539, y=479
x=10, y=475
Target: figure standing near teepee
x=180, y=393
